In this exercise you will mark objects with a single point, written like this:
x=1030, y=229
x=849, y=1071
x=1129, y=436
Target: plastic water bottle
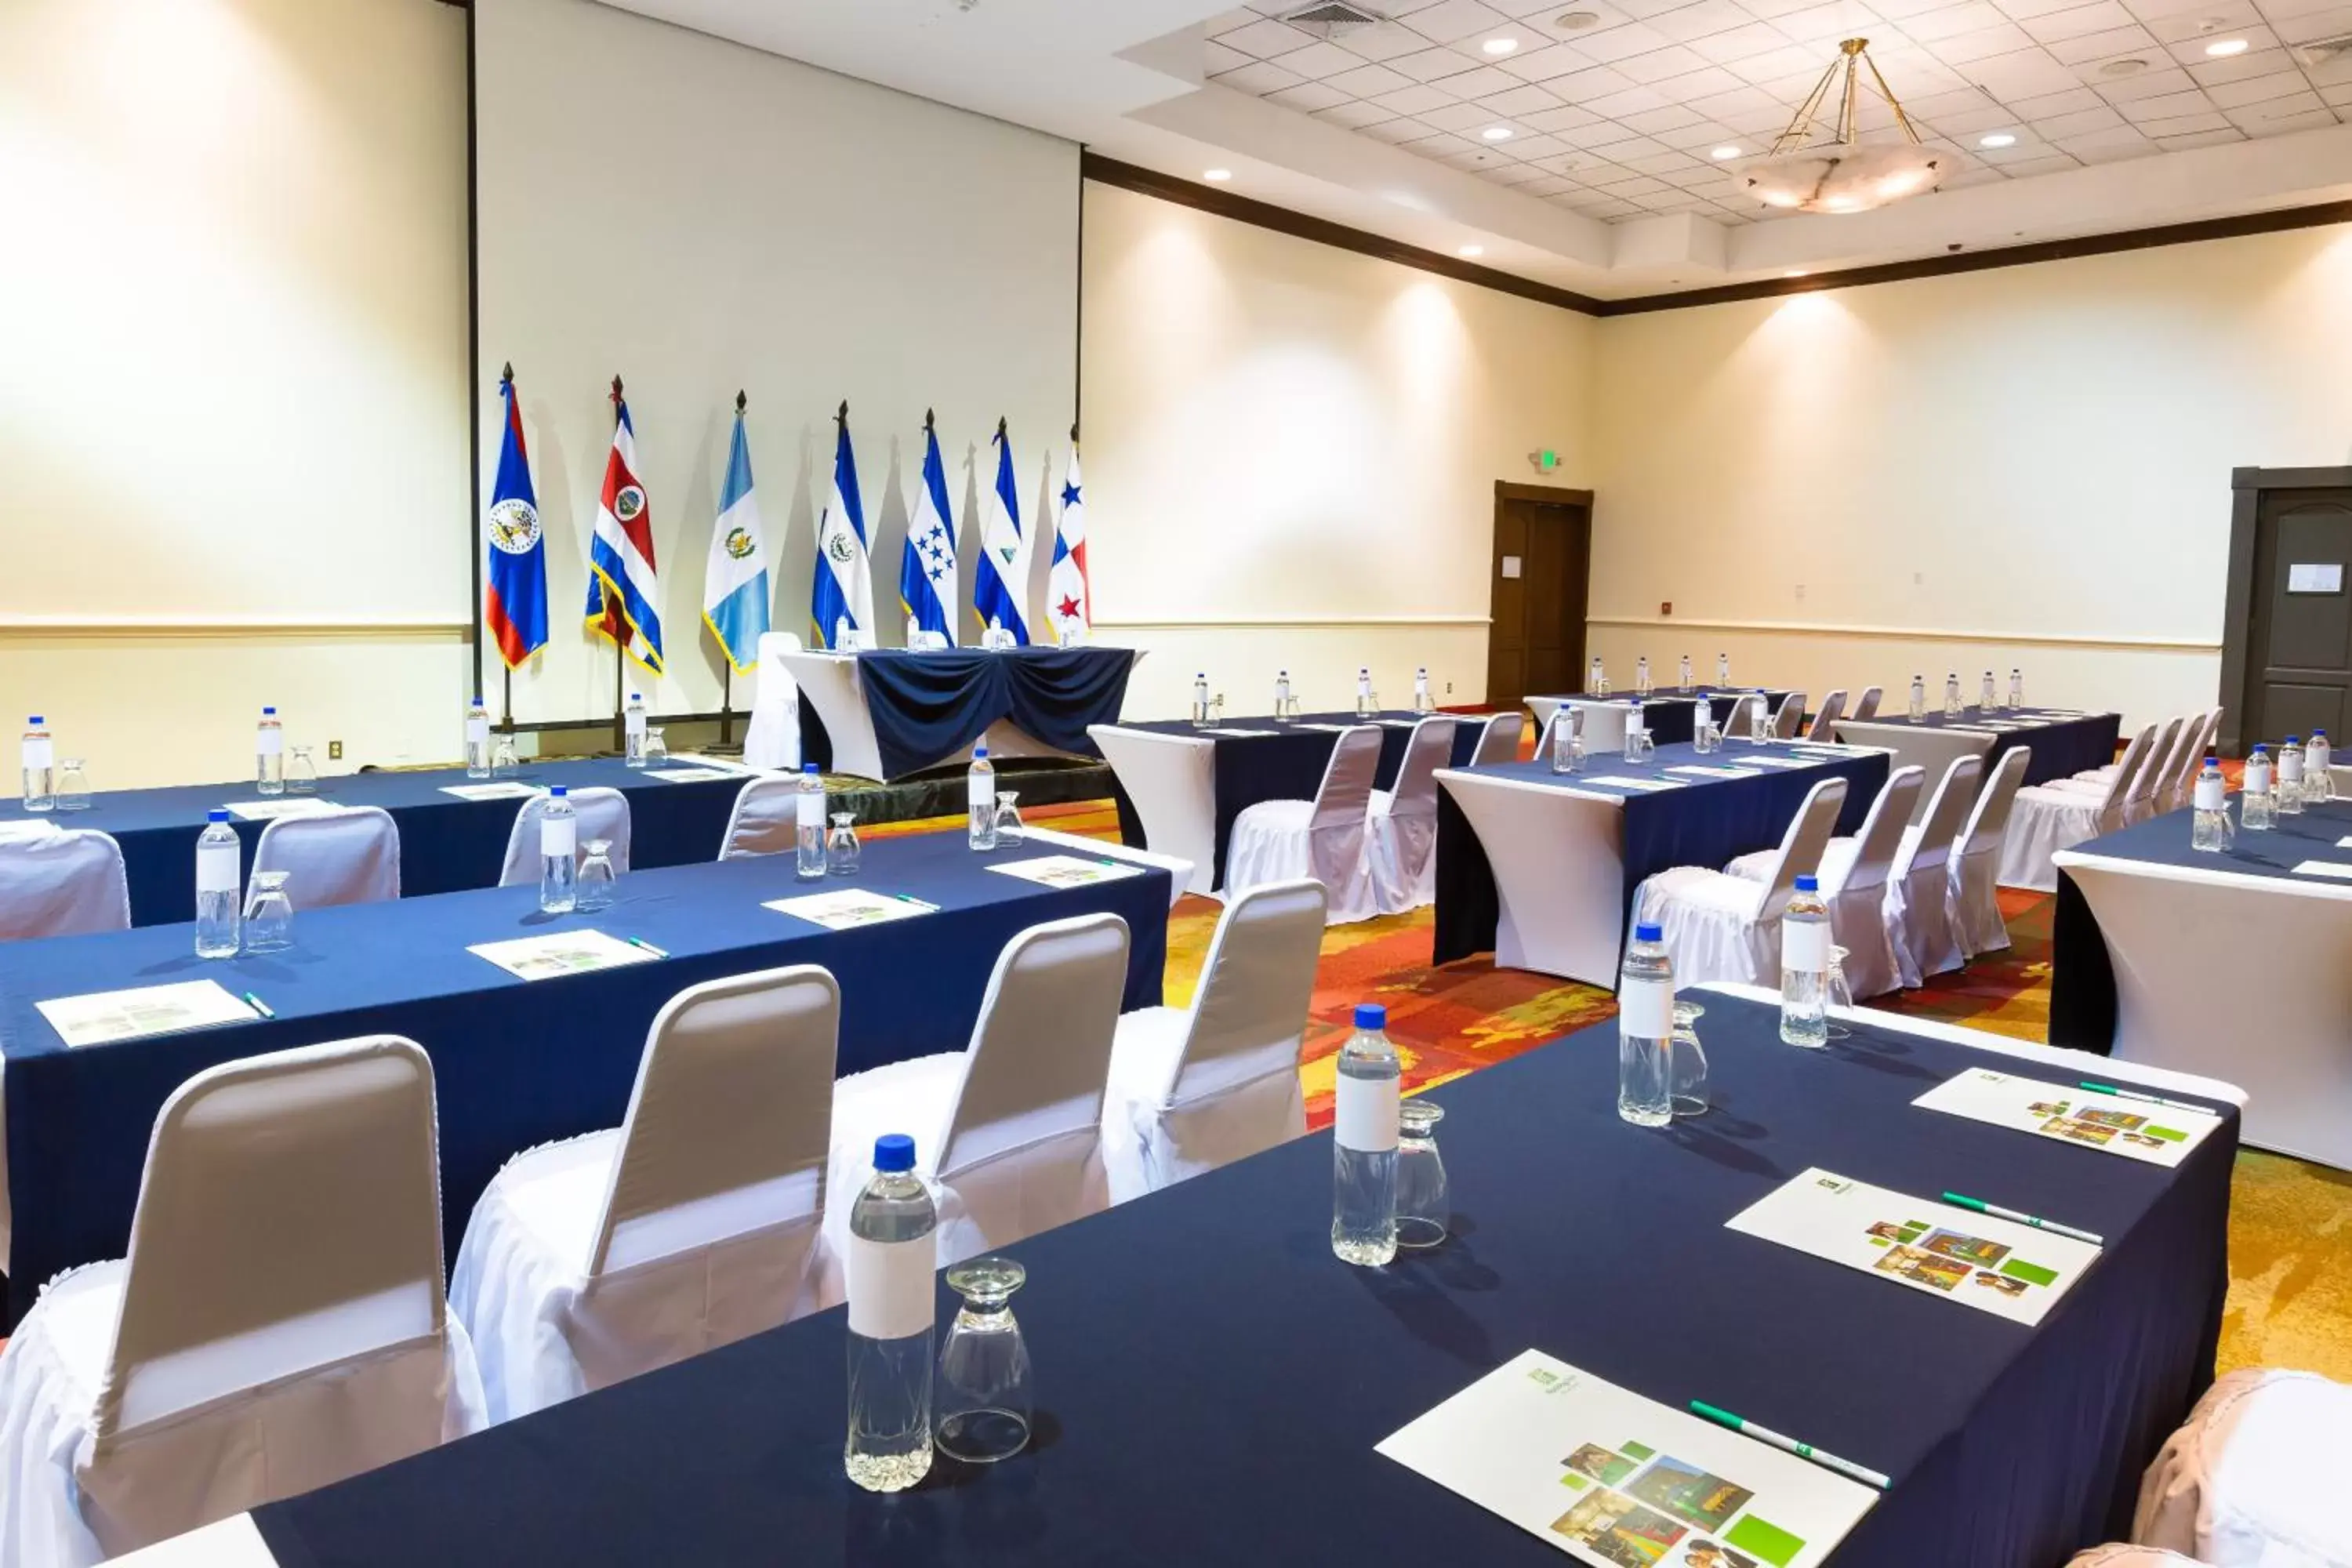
x=478, y=741
x=632, y=730
x=217, y=885
x=2209, y=822
x=2016, y=689
x=1918, y=699
x=40, y=766
x=1282, y=694
x=1722, y=670
x=2289, y=787
x=1760, y=733
x=2318, y=784
x=1984, y=693
x=844, y=635
x=1641, y=678
x=809, y=817
x=1645, y=1030
x=1364, y=1143
x=893, y=1255
x=1805, y=966
x=2257, y=806
x=1364, y=700
x=1952, y=695
x=1685, y=673
x=979, y=799
x=559, y=836
x=1422, y=702
x=1201, y=700
x=270, y=754
x=1597, y=683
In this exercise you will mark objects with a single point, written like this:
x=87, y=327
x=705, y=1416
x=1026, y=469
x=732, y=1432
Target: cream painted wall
x=2027, y=466
x=1291, y=451
x=231, y=390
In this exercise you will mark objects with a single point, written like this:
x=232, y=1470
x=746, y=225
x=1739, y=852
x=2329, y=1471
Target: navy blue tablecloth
x=2082, y=976
x=2061, y=747
x=515, y=1064
x=1286, y=765
x=929, y=704
x=446, y=844
x=1670, y=712
x=1705, y=823
x=1210, y=1380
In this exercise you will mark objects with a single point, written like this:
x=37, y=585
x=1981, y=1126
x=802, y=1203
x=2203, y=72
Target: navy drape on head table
x=932, y=704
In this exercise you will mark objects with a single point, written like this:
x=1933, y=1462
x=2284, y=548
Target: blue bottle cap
x=269, y=712
x=2212, y=761
x=478, y=700
x=1371, y=1015
x=894, y=1152
x=37, y=719
x=2319, y=734
x=810, y=768
x=559, y=790
x=217, y=814
x=1648, y=931
x=1808, y=883
x=2295, y=740
x=979, y=752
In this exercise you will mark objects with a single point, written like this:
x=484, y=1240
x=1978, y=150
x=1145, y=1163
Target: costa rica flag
x=624, y=588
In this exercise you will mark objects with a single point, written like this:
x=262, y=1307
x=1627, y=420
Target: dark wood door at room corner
x=2290, y=621
x=1542, y=562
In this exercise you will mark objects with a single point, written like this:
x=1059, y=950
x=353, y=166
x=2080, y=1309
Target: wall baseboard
x=1918, y=634
x=216, y=629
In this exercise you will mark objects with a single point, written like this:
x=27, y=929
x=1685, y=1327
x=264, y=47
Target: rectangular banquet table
x=1540, y=867
x=1210, y=1380
x=446, y=844
x=1669, y=713
x=2228, y=963
x=514, y=1064
x=889, y=712
x=1170, y=794
x=2063, y=744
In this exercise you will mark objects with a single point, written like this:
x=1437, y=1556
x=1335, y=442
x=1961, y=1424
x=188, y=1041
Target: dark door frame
x=2246, y=488
x=1509, y=490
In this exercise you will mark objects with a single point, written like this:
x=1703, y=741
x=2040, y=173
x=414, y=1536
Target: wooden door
x=2300, y=635
x=1543, y=556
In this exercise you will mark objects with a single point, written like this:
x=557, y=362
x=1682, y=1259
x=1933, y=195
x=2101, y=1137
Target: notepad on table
x=1636, y=783
x=101, y=1017
x=269, y=810
x=846, y=909
x=1698, y=771
x=2113, y=1124
x=509, y=791
x=561, y=952
x=2336, y=868
x=691, y=775
x=1067, y=871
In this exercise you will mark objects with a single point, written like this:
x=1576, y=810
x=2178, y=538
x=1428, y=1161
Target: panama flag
x=926, y=566
x=1068, y=592
x=514, y=603
x=1003, y=562
x=623, y=586
x=844, y=582
x=735, y=580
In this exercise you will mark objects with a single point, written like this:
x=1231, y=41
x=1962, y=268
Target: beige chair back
x=1989, y=818
x=1866, y=707
x=343, y=855
x=1824, y=726
x=1251, y=1010
x=1801, y=847
x=1881, y=831
x=1954, y=792
x=1499, y=741
x=1791, y=719
x=1426, y=750
x=765, y=819
x=55, y=883
x=599, y=812
x=1346, y=792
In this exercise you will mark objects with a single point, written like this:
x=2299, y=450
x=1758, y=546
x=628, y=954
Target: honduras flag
x=622, y=585
x=514, y=605
x=735, y=579
x=1004, y=562
x=926, y=566
x=845, y=582
x=1069, y=592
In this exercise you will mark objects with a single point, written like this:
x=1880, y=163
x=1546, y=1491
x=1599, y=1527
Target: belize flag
x=622, y=585
x=926, y=566
x=1069, y=592
x=1004, y=562
x=735, y=580
x=514, y=603
x=844, y=589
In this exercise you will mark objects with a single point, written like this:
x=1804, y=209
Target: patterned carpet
x=2290, y=1222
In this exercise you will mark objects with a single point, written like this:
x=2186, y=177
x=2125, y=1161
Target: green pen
x=1788, y=1445
x=649, y=947
x=259, y=1006
x=2141, y=1094
x=2016, y=1218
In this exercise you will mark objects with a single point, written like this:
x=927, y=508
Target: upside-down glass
x=1840, y=995
x=985, y=1394
x=72, y=786
x=1686, y=1072
x=1638, y=747
x=1704, y=736
x=657, y=749
x=503, y=761
x=841, y=845
x=268, y=923
x=302, y=772
x=1009, y=829
x=596, y=882
x=1423, y=1209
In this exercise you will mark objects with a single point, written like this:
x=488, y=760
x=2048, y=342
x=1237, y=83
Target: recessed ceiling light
x=1216, y=176
x=1499, y=46
x=1576, y=21
x=2222, y=49
x=1998, y=139
x=2123, y=67
x=1720, y=153
x=1497, y=133
x=1473, y=251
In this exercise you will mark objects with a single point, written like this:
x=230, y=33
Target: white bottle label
x=1805, y=946
x=636, y=724
x=983, y=792
x=2289, y=769
x=478, y=732
x=268, y=743
x=216, y=868
x=812, y=808
x=2258, y=778
x=890, y=1288
x=2211, y=794
x=39, y=753
x=1645, y=1008
x=1364, y=1113
x=558, y=835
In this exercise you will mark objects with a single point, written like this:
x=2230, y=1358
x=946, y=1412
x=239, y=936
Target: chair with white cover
x=1918, y=888
x=2173, y=791
x=1325, y=838
x=1854, y=875
x=598, y=813
x=2155, y=764
x=1824, y=725
x=1401, y=841
x=772, y=738
x=1789, y=722
x=1008, y=1130
x=1498, y=740
x=1866, y=706
x=2251, y=1480
x=694, y=1224
x=343, y=855
x=1748, y=714
x=277, y=1325
x=1195, y=1088
x=55, y=882
x=1974, y=869
x=2044, y=819
x=2119, y=1554
x=2168, y=742
x=1722, y=927
x=765, y=819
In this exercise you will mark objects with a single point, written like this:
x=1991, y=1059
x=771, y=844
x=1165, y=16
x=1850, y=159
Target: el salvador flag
x=926, y=566
x=735, y=580
x=1003, y=563
x=844, y=584
x=515, y=592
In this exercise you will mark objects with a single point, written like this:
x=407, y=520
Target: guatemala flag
x=1004, y=562
x=845, y=582
x=514, y=605
x=735, y=579
x=623, y=586
x=1069, y=593
x=926, y=567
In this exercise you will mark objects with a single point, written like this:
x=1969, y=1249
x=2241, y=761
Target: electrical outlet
x=1665, y=608
x=1449, y=689
x=1801, y=592
x=334, y=750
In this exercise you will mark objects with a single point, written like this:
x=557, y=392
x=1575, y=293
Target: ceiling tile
x=1963, y=49
x=2098, y=139
x=2066, y=128
x=1780, y=64
x=1659, y=122
x=1226, y=21
x=1706, y=136
x=1385, y=42
x=2107, y=44
x=2201, y=139
x=1961, y=101
x=1262, y=39
x=1550, y=185
x=1510, y=174
x=1633, y=101
x=1400, y=130
x=1966, y=177
x=2339, y=94
x=1665, y=165
x=1741, y=43
x=1949, y=21
x=2078, y=21
x=1354, y=116
x=1451, y=19
x=1307, y=96
x=1657, y=65
x=1260, y=76
x=2051, y=162
x=1629, y=147
x=2195, y=124
x=2241, y=68
x=2147, y=84
x=1475, y=160
x=1215, y=57
x=1413, y=100
x=1704, y=82
x=2266, y=124
x=1567, y=118
x=1520, y=101
x=1320, y=60
x=2230, y=95
x=1543, y=64
x=1632, y=185
x=2027, y=73
x=1427, y=65
x=1969, y=122
x=1478, y=82
x=1687, y=20
x=1617, y=43
x=1822, y=24
x=1461, y=118
x=1443, y=146
x=2228, y=18
x=2167, y=106
x=1586, y=85
x=2042, y=106
x=1528, y=149
x=2330, y=72
x=1370, y=82
x=1544, y=18
x=2117, y=152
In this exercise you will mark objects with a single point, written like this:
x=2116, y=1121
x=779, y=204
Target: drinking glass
x=657, y=749
x=1840, y=995
x=1423, y=1210
x=268, y=924
x=1008, y=816
x=504, y=764
x=1686, y=1073
x=1704, y=736
x=72, y=787
x=302, y=772
x=841, y=845
x=986, y=1392
x=596, y=882
x=1638, y=747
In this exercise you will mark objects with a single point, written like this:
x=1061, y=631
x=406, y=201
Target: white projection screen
x=697, y=218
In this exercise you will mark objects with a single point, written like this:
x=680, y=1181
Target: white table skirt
x=830, y=683
x=1171, y=782
x=1919, y=745
x=233, y=1542
x=1559, y=857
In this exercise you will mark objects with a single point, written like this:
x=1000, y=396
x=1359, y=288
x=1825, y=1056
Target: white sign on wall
x=2315, y=577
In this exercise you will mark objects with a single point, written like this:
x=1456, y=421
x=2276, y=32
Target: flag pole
x=726, y=654
x=505, y=671
x=620, y=649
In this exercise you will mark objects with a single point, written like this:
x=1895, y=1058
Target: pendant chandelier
x=1818, y=166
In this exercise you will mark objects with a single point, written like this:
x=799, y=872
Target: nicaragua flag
x=845, y=582
x=1068, y=593
x=514, y=603
x=1003, y=562
x=622, y=585
x=735, y=580
x=926, y=566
